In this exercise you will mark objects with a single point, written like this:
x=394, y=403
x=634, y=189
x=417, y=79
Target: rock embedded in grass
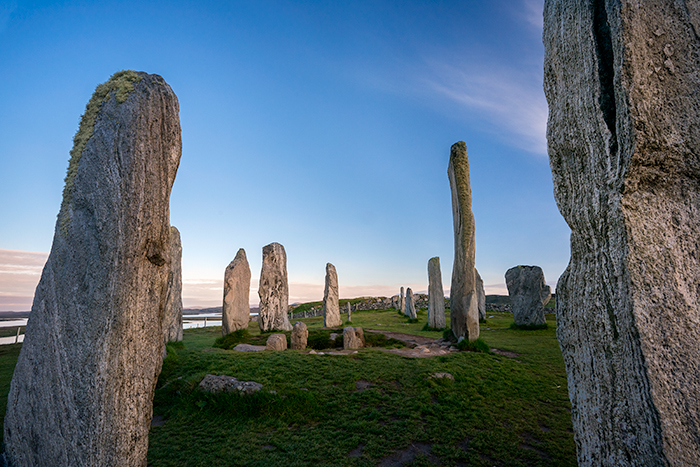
x=331, y=306
x=83, y=386
x=274, y=290
x=621, y=80
x=276, y=342
x=528, y=292
x=300, y=334
x=172, y=316
x=236, y=308
x=223, y=383
x=464, y=301
x=436, y=295
x=353, y=338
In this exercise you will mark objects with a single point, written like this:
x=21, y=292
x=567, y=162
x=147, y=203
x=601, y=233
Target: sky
x=325, y=126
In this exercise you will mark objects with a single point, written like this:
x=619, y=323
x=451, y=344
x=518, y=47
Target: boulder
x=481, y=296
x=621, y=80
x=276, y=342
x=436, y=295
x=235, y=313
x=274, y=290
x=223, y=383
x=464, y=300
x=410, y=307
x=528, y=291
x=331, y=307
x=353, y=338
x=299, y=336
x=83, y=386
x=172, y=317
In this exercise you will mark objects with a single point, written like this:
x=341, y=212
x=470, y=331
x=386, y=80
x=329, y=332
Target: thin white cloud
x=532, y=13
x=20, y=272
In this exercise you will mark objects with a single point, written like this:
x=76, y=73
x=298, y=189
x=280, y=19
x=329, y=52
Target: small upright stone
x=436, y=295
x=331, y=306
x=236, y=309
x=276, y=342
x=464, y=302
x=299, y=336
x=481, y=294
x=353, y=338
x=274, y=290
x=402, y=302
x=82, y=390
x=410, y=307
x=349, y=312
x=172, y=318
x=528, y=291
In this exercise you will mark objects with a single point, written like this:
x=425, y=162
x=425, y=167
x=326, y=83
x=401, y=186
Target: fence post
x=17, y=336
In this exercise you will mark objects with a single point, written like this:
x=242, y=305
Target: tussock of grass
x=528, y=327
x=380, y=340
x=412, y=320
x=430, y=329
x=477, y=345
x=232, y=339
x=320, y=339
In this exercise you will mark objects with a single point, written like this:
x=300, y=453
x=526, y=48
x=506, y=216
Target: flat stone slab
x=249, y=348
x=224, y=383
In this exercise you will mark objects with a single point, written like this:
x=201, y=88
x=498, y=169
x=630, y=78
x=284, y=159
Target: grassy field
x=371, y=408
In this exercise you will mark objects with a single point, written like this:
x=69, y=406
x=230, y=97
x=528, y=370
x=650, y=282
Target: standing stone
x=621, y=80
x=274, y=290
x=236, y=308
x=331, y=306
x=464, y=301
x=436, y=295
x=172, y=319
x=410, y=307
x=349, y=312
x=402, y=302
x=528, y=293
x=353, y=338
x=276, y=342
x=299, y=336
x=481, y=295
x=82, y=390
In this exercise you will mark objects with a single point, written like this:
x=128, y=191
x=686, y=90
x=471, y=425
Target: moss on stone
x=121, y=84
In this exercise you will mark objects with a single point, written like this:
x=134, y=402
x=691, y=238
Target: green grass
x=8, y=360
x=12, y=331
x=362, y=409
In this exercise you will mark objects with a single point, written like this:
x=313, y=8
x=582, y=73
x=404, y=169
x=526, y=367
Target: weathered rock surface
x=402, y=301
x=172, y=319
x=481, y=295
x=82, y=390
x=299, y=336
x=235, y=313
x=353, y=338
x=331, y=306
x=410, y=307
x=621, y=80
x=349, y=307
x=436, y=295
x=276, y=342
x=274, y=290
x=224, y=383
x=528, y=293
x=249, y=348
x=464, y=301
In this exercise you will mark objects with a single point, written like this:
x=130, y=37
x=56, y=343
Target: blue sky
x=324, y=126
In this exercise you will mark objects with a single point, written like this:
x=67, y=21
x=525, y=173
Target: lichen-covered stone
x=464, y=301
x=528, y=292
x=331, y=305
x=621, y=80
x=353, y=338
x=224, y=383
x=274, y=290
x=299, y=336
x=436, y=295
x=410, y=307
x=481, y=295
x=236, y=308
x=172, y=319
x=276, y=342
x=82, y=390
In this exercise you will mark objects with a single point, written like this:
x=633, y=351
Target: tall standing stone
x=528, y=293
x=410, y=309
x=464, y=301
x=82, y=390
x=621, y=80
x=481, y=295
x=349, y=312
x=331, y=306
x=172, y=319
x=436, y=295
x=236, y=308
x=274, y=290
x=402, y=301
